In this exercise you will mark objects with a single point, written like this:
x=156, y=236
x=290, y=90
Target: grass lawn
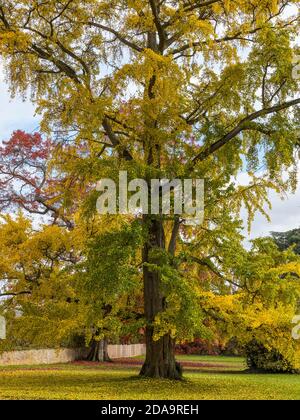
x=216, y=378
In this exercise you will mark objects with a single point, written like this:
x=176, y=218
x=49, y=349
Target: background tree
x=165, y=89
x=52, y=296
x=26, y=179
x=285, y=240
x=29, y=182
x=41, y=302
x=110, y=279
x=252, y=296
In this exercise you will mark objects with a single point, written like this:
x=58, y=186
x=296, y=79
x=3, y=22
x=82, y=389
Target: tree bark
x=160, y=357
x=98, y=351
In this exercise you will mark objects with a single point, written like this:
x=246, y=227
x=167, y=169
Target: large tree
x=165, y=89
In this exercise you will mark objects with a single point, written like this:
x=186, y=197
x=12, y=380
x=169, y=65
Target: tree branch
x=120, y=37
x=3, y=18
x=237, y=36
x=65, y=68
x=173, y=240
x=207, y=263
x=189, y=8
x=201, y=4
x=242, y=125
x=114, y=139
x=62, y=47
x=159, y=26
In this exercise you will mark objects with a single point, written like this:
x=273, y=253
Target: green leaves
x=111, y=266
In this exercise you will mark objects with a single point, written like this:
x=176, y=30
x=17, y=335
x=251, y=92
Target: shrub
x=200, y=347
x=260, y=358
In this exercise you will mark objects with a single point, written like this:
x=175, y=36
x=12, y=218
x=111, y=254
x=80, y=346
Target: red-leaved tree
x=26, y=180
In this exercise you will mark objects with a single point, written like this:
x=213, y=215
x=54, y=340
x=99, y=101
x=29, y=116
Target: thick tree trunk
x=160, y=358
x=98, y=351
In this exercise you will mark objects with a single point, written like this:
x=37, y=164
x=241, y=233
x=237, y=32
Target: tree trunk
x=98, y=351
x=160, y=358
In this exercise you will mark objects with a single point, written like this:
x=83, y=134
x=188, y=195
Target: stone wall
x=50, y=356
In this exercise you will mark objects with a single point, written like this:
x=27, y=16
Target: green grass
x=239, y=361
x=121, y=382
x=231, y=361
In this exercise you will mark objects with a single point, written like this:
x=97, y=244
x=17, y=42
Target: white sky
x=285, y=213
x=14, y=113
x=17, y=114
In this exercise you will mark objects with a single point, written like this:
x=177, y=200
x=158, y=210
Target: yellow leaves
x=274, y=6
x=277, y=318
x=224, y=304
x=53, y=237
x=165, y=79
x=264, y=7
x=164, y=322
x=272, y=327
x=156, y=59
x=13, y=232
x=21, y=246
x=13, y=40
x=257, y=316
x=195, y=29
x=259, y=9
x=132, y=20
x=296, y=358
x=293, y=267
x=8, y=36
x=254, y=197
x=217, y=8
x=202, y=26
x=77, y=107
x=227, y=5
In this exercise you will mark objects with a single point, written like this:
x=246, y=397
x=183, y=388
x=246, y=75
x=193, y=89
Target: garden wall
x=49, y=356
x=131, y=350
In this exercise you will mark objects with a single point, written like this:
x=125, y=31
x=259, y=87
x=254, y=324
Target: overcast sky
x=17, y=114
x=285, y=213
x=14, y=113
